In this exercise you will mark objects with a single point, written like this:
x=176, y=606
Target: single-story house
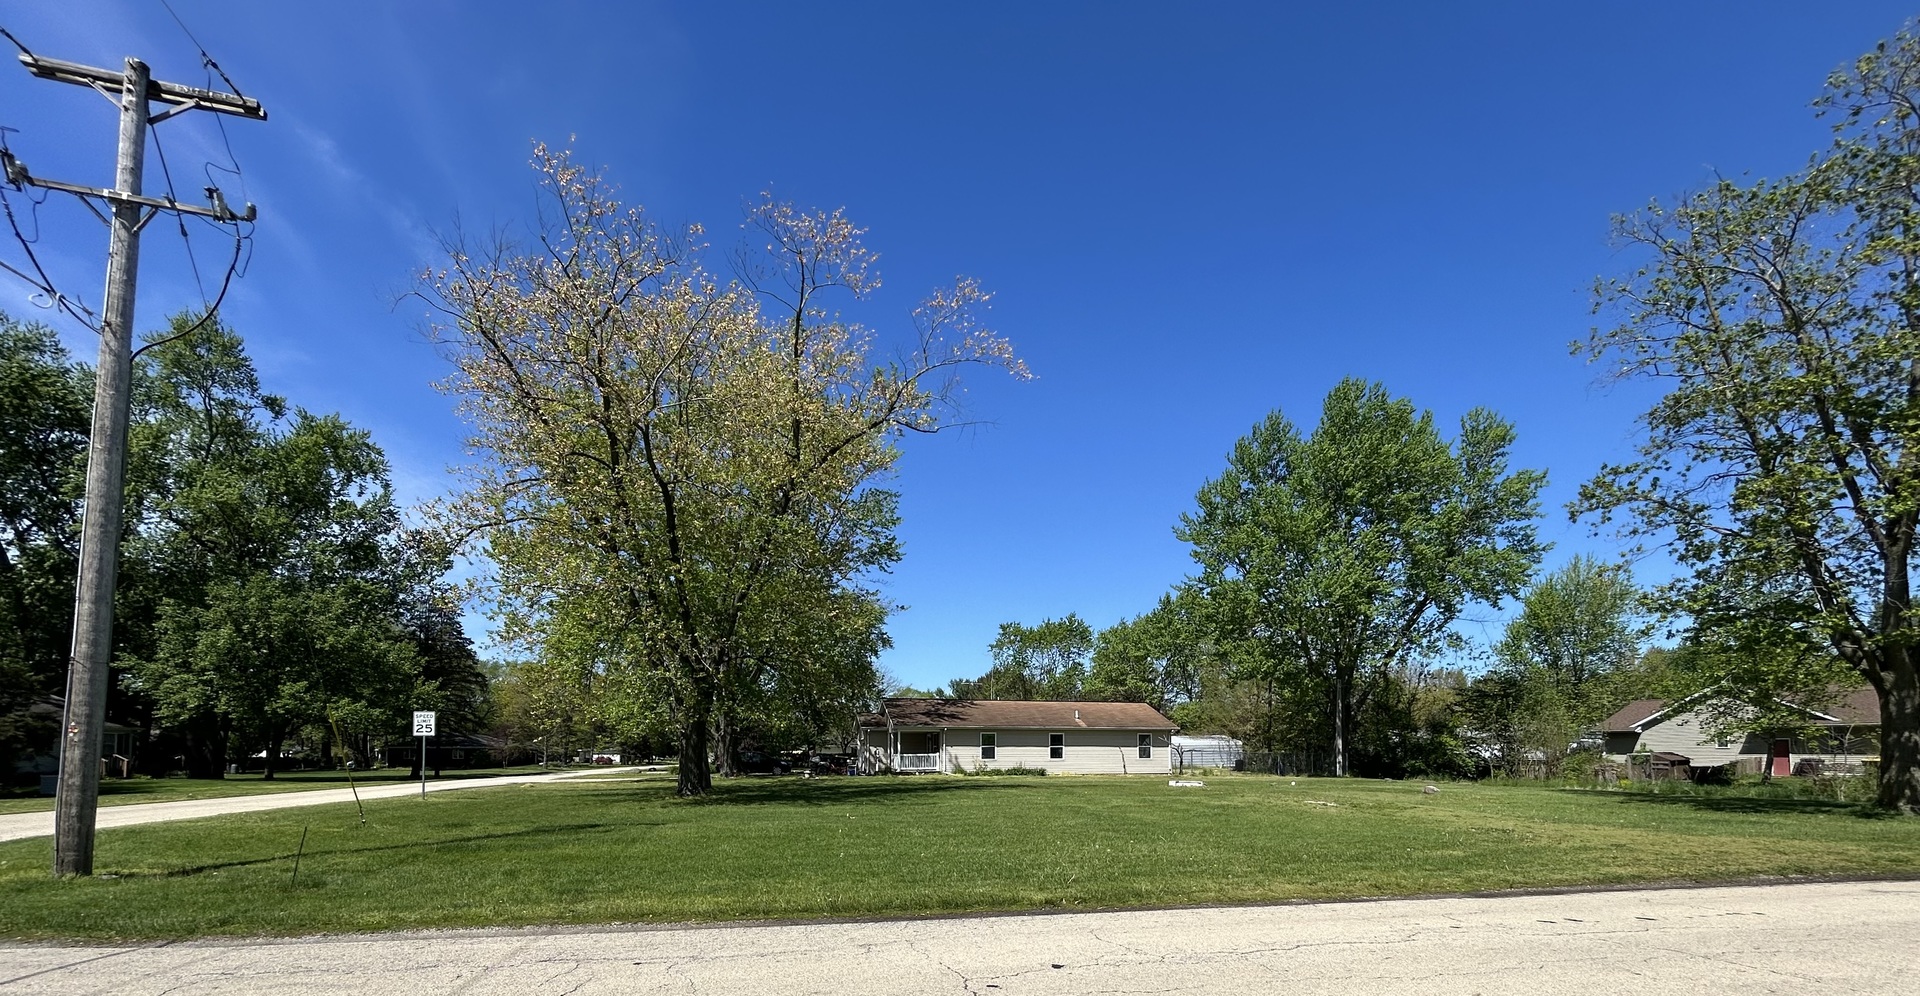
x=950, y=735
x=41, y=719
x=1845, y=734
x=448, y=750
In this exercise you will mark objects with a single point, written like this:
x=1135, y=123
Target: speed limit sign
x=423, y=723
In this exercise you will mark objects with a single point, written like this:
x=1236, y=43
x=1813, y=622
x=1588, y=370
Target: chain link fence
x=1262, y=762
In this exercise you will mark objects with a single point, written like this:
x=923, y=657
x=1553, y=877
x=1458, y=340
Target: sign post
x=423, y=720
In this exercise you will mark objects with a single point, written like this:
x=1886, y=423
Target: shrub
x=1582, y=767
x=1825, y=788
x=1016, y=770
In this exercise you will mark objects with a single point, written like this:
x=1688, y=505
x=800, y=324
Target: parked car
x=755, y=762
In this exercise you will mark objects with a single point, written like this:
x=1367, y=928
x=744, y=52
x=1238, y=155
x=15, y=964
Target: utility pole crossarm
x=62, y=71
x=16, y=174
x=77, y=796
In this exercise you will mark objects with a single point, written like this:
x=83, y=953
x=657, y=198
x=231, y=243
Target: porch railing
x=916, y=762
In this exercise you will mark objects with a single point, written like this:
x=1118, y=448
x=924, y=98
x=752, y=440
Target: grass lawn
x=622, y=851
x=128, y=791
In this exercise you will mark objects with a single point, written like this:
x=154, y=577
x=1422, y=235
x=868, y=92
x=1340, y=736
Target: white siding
x=873, y=751
x=1088, y=752
x=1683, y=734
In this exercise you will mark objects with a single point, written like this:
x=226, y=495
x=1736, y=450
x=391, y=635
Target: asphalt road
x=18, y=826
x=1803, y=939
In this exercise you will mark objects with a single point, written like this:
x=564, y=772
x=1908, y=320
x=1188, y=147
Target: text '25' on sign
x=423, y=724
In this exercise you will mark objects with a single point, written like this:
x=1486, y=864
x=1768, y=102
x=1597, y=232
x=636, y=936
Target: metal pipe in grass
x=340, y=743
x=297, y=854
x=357, y=804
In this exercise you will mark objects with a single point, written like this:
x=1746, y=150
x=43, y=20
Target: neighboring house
x=1846, y=733
x=949, y=735
x=42, y=717
x=450, y=750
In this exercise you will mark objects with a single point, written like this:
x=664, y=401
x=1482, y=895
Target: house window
x=987, y=745
x=1146, y=745
x=1056, y=745
x=1726, y=741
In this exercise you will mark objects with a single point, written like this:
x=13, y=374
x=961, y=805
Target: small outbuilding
x=954, y=735
x=1664, y=764
x=1215, y=750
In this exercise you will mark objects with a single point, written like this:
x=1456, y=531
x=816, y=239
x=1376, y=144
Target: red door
x=1782, y=758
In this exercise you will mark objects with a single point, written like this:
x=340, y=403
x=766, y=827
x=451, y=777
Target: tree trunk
x=1339, y=726
x=1271, y=742
x=696, y=779
x=206, y=751
x=723, y=742
x=273, y=758
x=1900, y=738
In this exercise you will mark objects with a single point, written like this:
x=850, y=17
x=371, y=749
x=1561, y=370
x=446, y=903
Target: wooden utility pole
x=77, y=799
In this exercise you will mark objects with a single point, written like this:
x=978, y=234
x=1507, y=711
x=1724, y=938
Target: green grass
x=625, y=851
x=129, y=791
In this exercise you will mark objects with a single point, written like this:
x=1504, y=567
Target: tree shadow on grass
x=297, y=779
x=310, y=854
x=1756, y=805
x=786, y=790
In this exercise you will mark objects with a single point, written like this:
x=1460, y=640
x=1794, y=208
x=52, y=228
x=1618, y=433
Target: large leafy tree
x=268, y=580
x=454, y=681
x=1162, y=657
x=45, y=405
x=1043, y=661
x=265, y=582
x=1781, y=466
x=1336, y=561
x=542, y=708
x=678, y=471
x=1566, y=661
x=809, y=681
x=1577, y=627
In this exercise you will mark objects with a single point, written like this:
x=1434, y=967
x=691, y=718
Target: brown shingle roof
x=993, y=713
x=1631, y=714
x=1860, y=707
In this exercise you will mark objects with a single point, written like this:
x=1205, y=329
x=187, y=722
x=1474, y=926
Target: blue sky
x=1191, y=215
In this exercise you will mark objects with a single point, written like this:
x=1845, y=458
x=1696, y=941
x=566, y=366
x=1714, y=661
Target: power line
x=76, y=800
x=208, y=311
x=204, y=57
x=42, y=283
x=24, y=50
x=234, y=168
x=213, y=69
x=208, y=167
x=179, y=218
